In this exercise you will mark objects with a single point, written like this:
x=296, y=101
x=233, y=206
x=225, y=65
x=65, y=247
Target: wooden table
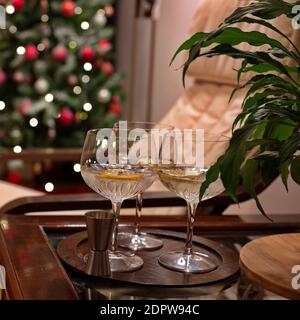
x=35, y=272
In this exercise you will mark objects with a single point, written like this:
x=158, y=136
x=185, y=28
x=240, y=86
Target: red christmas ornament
x=24, y=106
x=14, y=177
x=107, y=68
x=60, y=53
x=66, y=117
x=31, y=52
x=67, y=8
x=73, y=80
x=87, y=54
x=116, y=99
x=115, y=108
x=103, y=47
x=17, y=4
x=2, y=77
x=98, y=64
x=18, y=76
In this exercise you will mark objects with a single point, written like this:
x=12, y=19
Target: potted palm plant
x=268, y=124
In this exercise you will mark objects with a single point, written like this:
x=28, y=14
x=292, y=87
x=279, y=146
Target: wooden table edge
x=15, y=288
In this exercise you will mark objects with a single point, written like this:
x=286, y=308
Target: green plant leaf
x=211, y=176
x=234, y=36
x=266, y=67
x=269, y=170
x=233, y=159
x=270, y=26
x=249, y=180
x=290, y=146
x=284, y=172
x=266, y=155
x=295, y=169
x=197, y=37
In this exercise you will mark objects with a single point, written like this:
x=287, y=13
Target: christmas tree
x=57, y=78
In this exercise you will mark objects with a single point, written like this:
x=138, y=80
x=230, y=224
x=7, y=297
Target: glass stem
x=116, y=207
x=192, y=207
x=138, y=212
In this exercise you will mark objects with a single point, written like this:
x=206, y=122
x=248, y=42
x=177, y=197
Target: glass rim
x=208, y=137
x=125, y=130
x=156, y=125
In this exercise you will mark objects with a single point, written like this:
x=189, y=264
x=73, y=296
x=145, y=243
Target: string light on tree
x=87, y=107
x=85, y=78
x=78, y=10
x=20, y=50
x=2, y=105
x=104, y=95
x=77, y=90
x=83, y=116
x=10, y=9
x=49, y=97
x=12, y=29
x=33, y=122
x=49, y=187
x=17, y=149
x=87, y=66
x=76, y=167
x=72, y=44
x=44, y=18
x=41, y=47
x=84, y=25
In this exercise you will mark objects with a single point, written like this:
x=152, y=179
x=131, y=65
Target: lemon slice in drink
x=181, y=175
x=119, y=174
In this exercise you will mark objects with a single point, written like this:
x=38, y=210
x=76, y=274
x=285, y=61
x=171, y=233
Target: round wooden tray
x=73, y=249
x=269, y=261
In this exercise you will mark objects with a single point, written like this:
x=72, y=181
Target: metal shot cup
x=100, y=225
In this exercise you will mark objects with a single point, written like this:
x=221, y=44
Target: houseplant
x=267, y=127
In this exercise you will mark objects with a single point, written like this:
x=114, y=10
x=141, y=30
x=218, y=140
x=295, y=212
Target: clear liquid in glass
x=117, y=184
x=186, y=183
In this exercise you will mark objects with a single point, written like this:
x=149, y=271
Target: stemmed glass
x=185, y=159
x=107, y=168
x=152, y=136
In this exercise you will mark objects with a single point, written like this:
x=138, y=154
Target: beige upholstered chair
x=205, y=102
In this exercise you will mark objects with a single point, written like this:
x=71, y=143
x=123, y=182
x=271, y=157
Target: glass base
x=124, y=262
x=195, y=262
x=141, y=241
